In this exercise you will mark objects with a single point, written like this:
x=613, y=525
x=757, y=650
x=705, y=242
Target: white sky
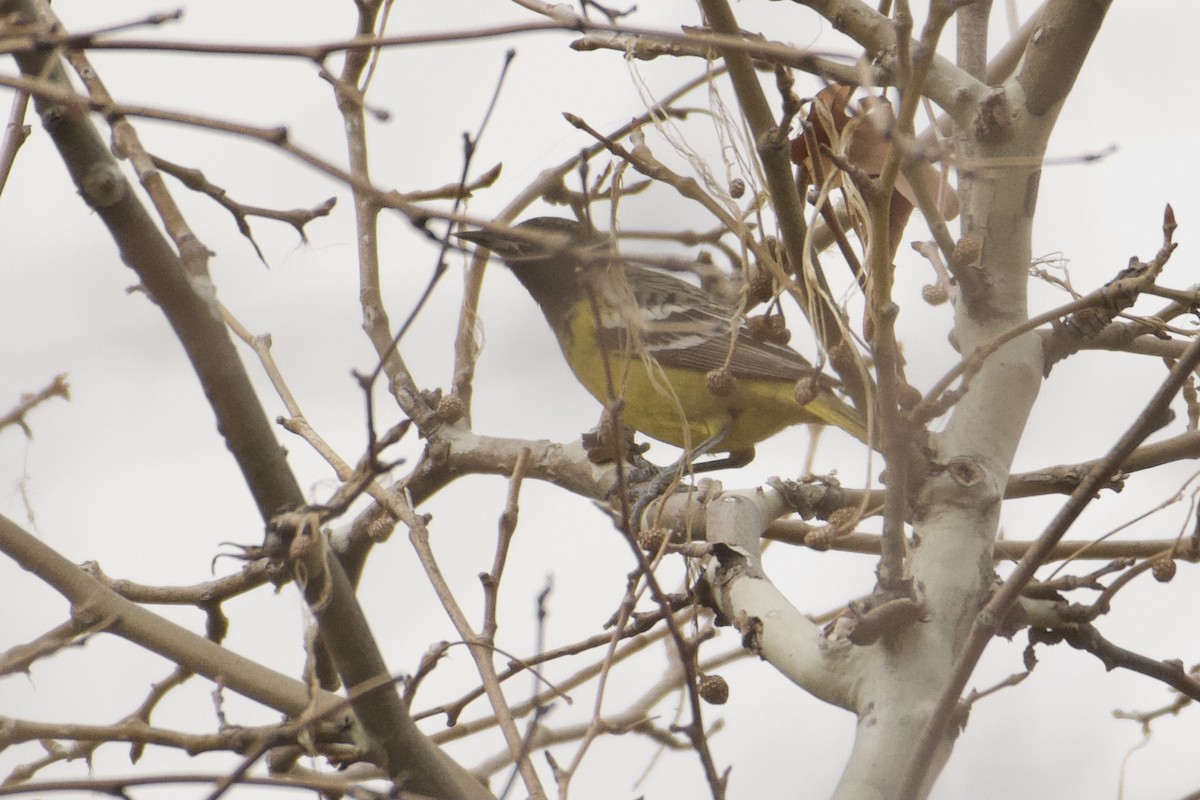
x=132, y=474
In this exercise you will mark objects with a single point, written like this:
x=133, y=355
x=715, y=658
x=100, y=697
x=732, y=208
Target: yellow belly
x=675, y=405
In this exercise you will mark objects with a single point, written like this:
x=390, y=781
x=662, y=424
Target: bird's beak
x=478, y=237
x=512, y=244
x=500, y=242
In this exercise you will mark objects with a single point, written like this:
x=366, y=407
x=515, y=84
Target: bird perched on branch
x=684, y=373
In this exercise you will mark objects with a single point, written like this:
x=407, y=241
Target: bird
x=684, y=371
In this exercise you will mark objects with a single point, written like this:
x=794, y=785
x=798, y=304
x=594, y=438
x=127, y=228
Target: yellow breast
x=675, y=405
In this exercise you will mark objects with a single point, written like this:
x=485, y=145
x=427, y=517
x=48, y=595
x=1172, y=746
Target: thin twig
x=58, y=387
x=15, y=134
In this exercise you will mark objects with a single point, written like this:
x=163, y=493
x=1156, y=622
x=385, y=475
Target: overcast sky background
x=132, y=473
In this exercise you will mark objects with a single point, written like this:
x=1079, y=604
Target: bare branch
x=1086, y=637
x=983, y=627
x=58, y=387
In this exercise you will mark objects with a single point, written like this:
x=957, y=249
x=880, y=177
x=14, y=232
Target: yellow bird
x=653, y=341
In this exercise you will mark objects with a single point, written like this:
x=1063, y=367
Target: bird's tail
x=834, y=411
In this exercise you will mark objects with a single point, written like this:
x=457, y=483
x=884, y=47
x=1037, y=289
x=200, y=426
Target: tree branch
x=984, y=626
x=1057, y=50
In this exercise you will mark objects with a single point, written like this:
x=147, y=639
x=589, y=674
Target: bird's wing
x=681, y=326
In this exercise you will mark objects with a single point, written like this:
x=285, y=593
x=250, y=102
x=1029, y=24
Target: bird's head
x=550, y=256
x=541, y=239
